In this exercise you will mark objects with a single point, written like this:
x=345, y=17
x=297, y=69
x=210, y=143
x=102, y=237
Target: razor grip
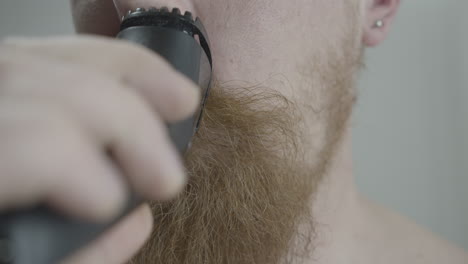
x=42, y=236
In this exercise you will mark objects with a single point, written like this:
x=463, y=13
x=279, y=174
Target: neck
x=335, y=207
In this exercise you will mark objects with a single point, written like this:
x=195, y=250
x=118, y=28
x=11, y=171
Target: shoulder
x=403, y=241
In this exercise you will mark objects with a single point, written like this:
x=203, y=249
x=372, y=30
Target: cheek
x=253, y=39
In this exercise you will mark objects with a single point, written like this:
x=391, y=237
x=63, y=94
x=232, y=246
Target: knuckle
x=117, y=100
x=185, y=102
x=134, y=56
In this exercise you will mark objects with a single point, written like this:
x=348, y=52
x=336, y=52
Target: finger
x=173, y=95
x=46, y=157
x=115, y=117
x=120, y=243
x=95, y=17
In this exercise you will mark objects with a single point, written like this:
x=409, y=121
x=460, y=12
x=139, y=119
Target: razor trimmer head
x=163, y=17
x=182, y=40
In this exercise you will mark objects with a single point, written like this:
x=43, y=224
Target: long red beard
x=249, y=188
x=250, y=185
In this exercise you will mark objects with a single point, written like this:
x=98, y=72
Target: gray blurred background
x=410, y=124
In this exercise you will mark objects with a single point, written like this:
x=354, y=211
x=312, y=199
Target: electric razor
x=42, y=236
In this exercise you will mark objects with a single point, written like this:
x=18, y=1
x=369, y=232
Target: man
x=269, y=174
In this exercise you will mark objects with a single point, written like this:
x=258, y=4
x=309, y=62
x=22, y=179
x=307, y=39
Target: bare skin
x=356, y=230
x=252, y=40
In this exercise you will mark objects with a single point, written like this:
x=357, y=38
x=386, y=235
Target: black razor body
x=183, y=42
x=42, y=236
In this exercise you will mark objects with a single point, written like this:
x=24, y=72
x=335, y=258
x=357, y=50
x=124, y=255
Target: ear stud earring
x=379, y=24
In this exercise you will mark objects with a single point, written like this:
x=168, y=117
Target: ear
x=378, y=11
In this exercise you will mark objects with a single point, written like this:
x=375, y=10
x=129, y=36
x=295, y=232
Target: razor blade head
x=182, y=40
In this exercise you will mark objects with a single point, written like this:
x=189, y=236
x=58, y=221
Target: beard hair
x=246, y=193
x=251, y=184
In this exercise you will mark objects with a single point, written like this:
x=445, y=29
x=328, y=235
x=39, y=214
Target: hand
x=65, y=103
